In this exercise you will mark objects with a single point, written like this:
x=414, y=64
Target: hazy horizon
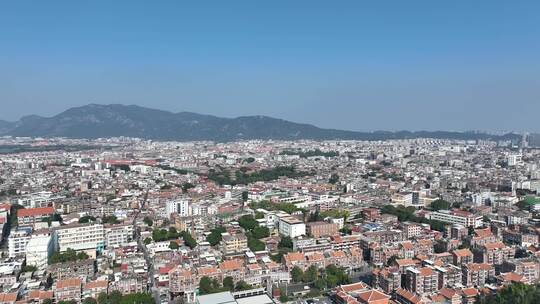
x=418, y=65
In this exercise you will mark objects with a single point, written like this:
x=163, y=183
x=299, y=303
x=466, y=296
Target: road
x=149, y=262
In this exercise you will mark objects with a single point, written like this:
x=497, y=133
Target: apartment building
x=319, y=229
x=69, y=289
x=421, y=280
x=37, y=199
x=118, y=235
x=73, y=269
x=129, y=284
x=529, y=269
x=17, y=241
x=496, y=253
x=476, y=274
x=457, y=216
x=180, y=207
x=411, y=230
x=32, y=215
x=94, y=288
x=233, y=243
x=81, y=237
x=387, y=279
x=402, y=198
x=40, y=248
x=449, y=275
x=462, y=256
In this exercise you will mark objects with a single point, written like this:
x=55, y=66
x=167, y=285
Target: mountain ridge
x=96, y=121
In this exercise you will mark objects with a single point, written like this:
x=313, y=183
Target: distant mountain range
x=96, y=121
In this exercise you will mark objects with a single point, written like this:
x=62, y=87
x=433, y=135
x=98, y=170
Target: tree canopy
x=69, y=255
x=514, y=293
x=215, y=235
x=440, y=204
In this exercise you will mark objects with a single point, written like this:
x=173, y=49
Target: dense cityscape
x=126, y=220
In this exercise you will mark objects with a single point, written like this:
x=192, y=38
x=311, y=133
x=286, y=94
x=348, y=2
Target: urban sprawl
x=126, y=220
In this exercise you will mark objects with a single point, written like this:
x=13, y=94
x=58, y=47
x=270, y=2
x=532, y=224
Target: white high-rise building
x=17, y=241
x=291, y=226
x=40, y=248
x=514, y=159
x=180, y=207
x=81, y=237
x=118, y=235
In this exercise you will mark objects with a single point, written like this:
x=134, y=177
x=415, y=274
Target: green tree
x=242, y=285
x=297, y=274
x=334, y=178
x=336, y=213
x=346, y=230
x=255, y=245
x=139, y=298
x=245, y=195
x=285, y=242
x=68, y=256
x=283, y=298
x=148, y=221
x=89, y=301
x=515, y=293
x=188, y=239
x=228, y=283
x=159, y=235
x=87, y=219
x=311, y=274
x=172, y=233
x=29, y=268
x=331, y=281
x=187, y=186
x=173, y=245
x=248, y=222
x=115, y=297
x=440, y=204
x=102, y=298
x=48, y=301
x=341, y=277
x=260, y=232
x=215, y=235
x=147, y=240
x=205, y=285
x=391, y=260
x=110, y=219
x=320, y=284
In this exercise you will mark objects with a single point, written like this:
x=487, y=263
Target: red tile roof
x=372, y=295
x=68, y=283
x=35, y=211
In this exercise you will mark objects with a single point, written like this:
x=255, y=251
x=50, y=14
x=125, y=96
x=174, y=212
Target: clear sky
x=358, y=65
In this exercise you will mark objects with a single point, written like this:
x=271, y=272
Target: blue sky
x=358, y=65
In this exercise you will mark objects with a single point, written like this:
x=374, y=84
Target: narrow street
x=152, y=284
